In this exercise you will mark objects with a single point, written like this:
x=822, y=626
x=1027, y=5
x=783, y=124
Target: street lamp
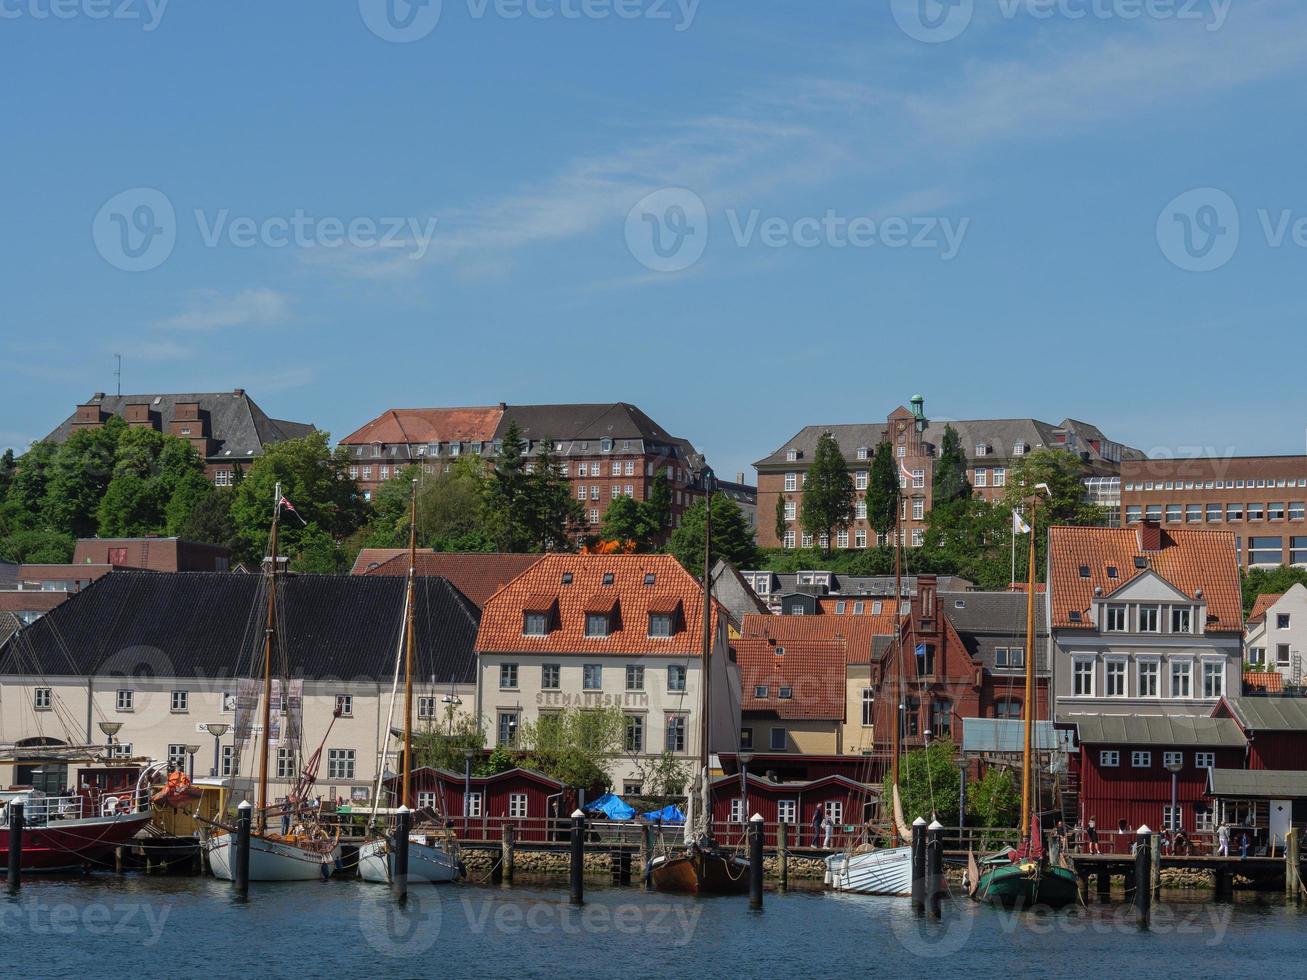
x=191, y=749
x=1174, y=769
x=467, y=785
x=217, y=729
x=110, y=729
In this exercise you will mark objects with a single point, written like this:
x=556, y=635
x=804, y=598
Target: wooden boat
x=1029, y=879
x=433, y=853
x=702, y=866
x=72, y=833
x=308, y=854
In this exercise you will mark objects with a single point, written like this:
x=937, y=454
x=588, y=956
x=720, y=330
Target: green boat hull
x=1013, y=888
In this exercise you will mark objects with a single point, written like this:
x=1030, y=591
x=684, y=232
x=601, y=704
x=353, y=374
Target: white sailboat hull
x=270, y=860
x=884, y=872
x=425, y=862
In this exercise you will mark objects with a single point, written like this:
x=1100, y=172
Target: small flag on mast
x=1019, y=526
x=286, y=504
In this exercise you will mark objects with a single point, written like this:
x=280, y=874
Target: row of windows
x=597, y=625
x=596, y=491
x=1111, y=758
x=1257, y=484
x=778, y=740
x=1148, y=678
x=591, y=677
x=179, y=702
x=1283, y=658
x=918, y=538
x=1148, y=618
x=675, y=729
x=1294, y=510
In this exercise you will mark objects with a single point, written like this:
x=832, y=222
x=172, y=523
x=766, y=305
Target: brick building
x=227, y=429
x=606, y=451
x=1261, y=499
x=992, y=447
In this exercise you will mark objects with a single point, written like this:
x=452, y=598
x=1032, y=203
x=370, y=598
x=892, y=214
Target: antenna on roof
x=118, y=373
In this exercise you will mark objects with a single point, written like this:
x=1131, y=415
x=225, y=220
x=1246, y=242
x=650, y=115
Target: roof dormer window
x=608, y=578
x=605, y=445
x=596, y=624
x=791, y=455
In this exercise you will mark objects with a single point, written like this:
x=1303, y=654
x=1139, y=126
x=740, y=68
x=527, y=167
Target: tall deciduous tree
x=781, y=527
x=1064, y=503
x=883, y=490
x=553, y=515
x=732, y=538
x=8, y=466
x=828, y=493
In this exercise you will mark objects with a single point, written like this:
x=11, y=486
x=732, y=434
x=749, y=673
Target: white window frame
x=1172, y=758
x=518, y=806
x=179, y=702
x=1155, y=664
x=1141, y=759
x=43, y=699
x=1188, y=664
x=1205, y=759
x=1077, y=664
x=125, y=699
x=1109, y=759
x=1213, y=669
x=1116, y=668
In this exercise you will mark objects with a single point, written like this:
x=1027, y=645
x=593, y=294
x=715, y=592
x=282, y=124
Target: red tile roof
x=410, y=426
x=813, y=670
x=1271, y=681
x=1189, y=560
x=370, y=558
x=1263, y=603
x=477, y=575
x=829, y=605
x=501, y=618
x=856, y=632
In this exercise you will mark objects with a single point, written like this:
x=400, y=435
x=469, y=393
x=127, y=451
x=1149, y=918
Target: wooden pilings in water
x=1144, y=876
x=936, y=885
x=919, y=865
x=399, y=875
x=1292, y=866
x=783, y=853
x=576, y=867
x=508, y=854
x=241, y=878
x=755, y=862
x=14, y=873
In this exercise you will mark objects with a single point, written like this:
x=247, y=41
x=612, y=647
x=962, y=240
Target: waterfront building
x=1145, y=620
x=836, y=592
x=1262, y=500
x=625, y=631
x=227, y=429
x=1275, y=636
x=992, y=446
x=482, y=805
x=160, y=656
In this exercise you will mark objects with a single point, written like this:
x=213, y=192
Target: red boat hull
x=72, y=845
x=699, y=872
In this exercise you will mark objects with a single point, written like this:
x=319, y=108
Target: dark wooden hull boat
x=702, y=869
x=1028, y=885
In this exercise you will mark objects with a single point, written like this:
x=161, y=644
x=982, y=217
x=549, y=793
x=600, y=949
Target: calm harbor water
x=121, y=926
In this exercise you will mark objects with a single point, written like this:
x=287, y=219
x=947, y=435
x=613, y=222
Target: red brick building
x=1262, y=500
x=227, y=429
x=992, y=447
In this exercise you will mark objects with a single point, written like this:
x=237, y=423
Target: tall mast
x=269, y=634
x=895, y=745
x=705, y=652
x=1027, y=802
x=409, y=644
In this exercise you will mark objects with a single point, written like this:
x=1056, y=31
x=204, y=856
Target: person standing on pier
x=1223, y=840
x=827, y=831
x=1091, y=834
x=1243, y=844
x=818, y=820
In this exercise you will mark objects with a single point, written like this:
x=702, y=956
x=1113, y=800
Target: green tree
x=624, y=521
x=1274, y=581
x=950, y=482
x=994, y=800
x=928, y=783
x=883, y=490
x=77, y=477
x=662, y=776
x=781, y=527
x=38, y=547
x=210, y=520
x=442, y=746
x=189, y=492
x=828, y=494
x=8, y=467
x=1064, y=503
x=732, y=538
x=658, y=508
x=506, y=510
x=132, y=506
x=576, y=746
x=552, y=514
x=28, y=486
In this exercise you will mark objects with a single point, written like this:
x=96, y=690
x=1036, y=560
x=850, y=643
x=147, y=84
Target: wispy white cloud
x=212, y=309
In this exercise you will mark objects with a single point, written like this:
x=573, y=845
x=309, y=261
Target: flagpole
x=1013, y=579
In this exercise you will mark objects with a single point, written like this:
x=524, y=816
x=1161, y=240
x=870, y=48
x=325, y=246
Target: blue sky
x=993, y=219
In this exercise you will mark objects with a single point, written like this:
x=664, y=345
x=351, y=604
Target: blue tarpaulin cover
x=613, y=807
x=668, y=814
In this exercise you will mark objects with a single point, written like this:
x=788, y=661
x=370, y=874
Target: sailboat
x=702, y=866
x=433, y=854
x=307, y=854
x=1029, y=879
x=869, y=870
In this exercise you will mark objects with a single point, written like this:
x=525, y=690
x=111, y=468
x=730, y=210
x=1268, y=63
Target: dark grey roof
x=988, y=620
x=208, y=625
x=1271, y=784
x=863, y=585
x=9, y=625
x=8, y=574
x=741, y=493
x=1269, y=714
x=1156, y=730
x=239, y=427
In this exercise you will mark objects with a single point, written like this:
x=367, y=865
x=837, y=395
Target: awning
x=1005, y=735
x=1260, y=784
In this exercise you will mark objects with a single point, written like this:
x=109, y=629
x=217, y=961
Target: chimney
x=503, y=406
x=739, y=477
x=1149, y=535
x=926, y=599
x=98, y=396
x=239, y=392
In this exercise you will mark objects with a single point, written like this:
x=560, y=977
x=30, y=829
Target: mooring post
x=783, y=853
x=1292, y=869
x=241, y=877
x=919, y=865
x=647, y=853
x=576, y=868
x=1155, y=849
x=1143, y=876
x=1104, y=885
x=399, y=873
x=935, y=868
x=15, y=871
x=755, y=862
x=118, y=859
x=508, y=851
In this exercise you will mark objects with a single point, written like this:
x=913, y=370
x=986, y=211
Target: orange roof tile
x=1272, y=682
x=812, y=670
x=856, y=632
x=1189, y=560
x=372, y=558
x=410, y=426
x=1263, y=603
x=477, y=575
x=501, y=618
x=856, y=605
